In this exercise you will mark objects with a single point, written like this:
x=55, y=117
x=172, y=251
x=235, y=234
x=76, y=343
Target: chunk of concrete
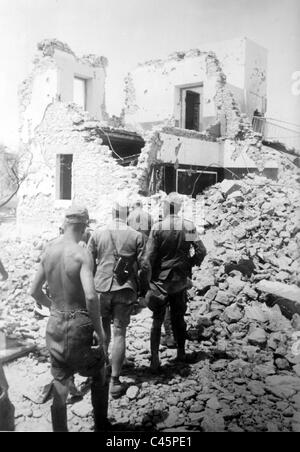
x=257, y=337
x=286, y=296
x=229, y=186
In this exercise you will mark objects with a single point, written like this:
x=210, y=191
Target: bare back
x=62, y=263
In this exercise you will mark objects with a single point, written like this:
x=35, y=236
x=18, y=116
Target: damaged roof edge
x=48, y=47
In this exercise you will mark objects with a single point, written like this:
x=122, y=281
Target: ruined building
x=64, y=128
x=186, y=125
x=202, y=103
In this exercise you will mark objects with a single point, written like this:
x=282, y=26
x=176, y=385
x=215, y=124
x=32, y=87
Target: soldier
x=119, y=252
x=169, y=252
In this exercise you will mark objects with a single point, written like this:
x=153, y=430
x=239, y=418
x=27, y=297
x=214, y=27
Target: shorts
x=118, y=306
x=69, y=338
x=177, y=302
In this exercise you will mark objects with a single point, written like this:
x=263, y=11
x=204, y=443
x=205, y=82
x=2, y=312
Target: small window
x=64, y=176
x=79, y=95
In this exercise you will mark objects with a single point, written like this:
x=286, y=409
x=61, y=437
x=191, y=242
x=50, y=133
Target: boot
x=59, y=418
x=99, y=396
x=168, y=340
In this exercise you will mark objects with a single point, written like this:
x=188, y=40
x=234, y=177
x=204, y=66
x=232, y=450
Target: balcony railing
x=274, y=130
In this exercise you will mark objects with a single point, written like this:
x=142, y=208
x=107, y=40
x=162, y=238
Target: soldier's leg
x=59, y=407
x=155, y=335
x=168, y=339
x=99, y=398
x=178, y=304
x=106, y=314
x=122, y=307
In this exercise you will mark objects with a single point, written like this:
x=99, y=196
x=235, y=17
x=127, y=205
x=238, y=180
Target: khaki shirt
x=129, y=243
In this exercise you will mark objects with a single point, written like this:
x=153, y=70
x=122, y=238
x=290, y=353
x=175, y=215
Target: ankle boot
x=59, y=418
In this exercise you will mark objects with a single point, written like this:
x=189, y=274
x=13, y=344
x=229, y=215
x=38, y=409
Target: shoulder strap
x=114, y=243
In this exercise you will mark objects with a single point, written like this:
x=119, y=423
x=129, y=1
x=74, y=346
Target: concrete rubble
x=245, y=344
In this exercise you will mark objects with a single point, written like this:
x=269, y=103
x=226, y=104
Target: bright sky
x=132, y=31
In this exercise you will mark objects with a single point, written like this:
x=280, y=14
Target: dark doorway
x=65, y=176
x=193, y=183
x=170, y=178
x=192, y=110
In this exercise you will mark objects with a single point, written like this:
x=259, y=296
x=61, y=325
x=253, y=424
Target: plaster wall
x=153, y=89
x=188, y=151
x=44, y=88
x=68, y=68
x=196, y=152
x=255, y=78
x=231, y=54
x=156, y=97
x=52, y=79
x=244, y=63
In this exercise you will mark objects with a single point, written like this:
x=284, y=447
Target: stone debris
x=257, y=337
x=286, y=296
x=245, y=373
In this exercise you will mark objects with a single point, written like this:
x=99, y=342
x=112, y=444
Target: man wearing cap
x=74, y=320
x=169, y=250
x=141, y=221
x=111, y=247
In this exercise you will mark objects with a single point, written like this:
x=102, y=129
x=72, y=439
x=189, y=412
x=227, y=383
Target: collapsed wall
x=228, y=77
x=96, y=175
x=225, y=140
x=67, y=142
x=53, y=126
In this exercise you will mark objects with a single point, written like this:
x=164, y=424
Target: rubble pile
x=246, y=374
x=17, y=319
x=258, y=219
x=243, y=325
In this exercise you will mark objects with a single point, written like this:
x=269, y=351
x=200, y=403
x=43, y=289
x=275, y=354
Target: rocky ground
x=245, y=374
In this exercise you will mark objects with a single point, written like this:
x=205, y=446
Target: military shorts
x=69, y=338
x=118, y=306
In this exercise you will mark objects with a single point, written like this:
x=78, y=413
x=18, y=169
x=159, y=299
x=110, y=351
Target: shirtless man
x=75, y=319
